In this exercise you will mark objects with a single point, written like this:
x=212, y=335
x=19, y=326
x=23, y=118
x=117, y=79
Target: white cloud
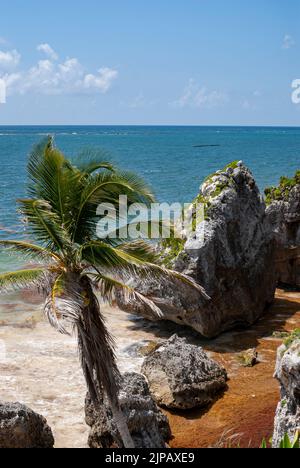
x=9, y=60
x=288, y=42
x=51, y=77
x=102, y=81
x=200, y=97
x=48, y=51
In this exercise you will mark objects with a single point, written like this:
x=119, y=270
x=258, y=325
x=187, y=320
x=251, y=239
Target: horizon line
x=152, y=125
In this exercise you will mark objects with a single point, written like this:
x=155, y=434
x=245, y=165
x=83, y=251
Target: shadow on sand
x=234, y=341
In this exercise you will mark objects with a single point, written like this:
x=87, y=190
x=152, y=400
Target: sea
x=173, y=160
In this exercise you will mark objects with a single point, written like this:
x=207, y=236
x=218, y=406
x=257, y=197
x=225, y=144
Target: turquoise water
x=167, y=157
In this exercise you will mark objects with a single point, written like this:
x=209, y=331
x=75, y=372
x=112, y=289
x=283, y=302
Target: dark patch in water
x=206, y=146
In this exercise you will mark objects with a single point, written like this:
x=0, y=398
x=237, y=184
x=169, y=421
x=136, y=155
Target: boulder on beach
x=182, y=376
x=22, y=428
x=148, y=426
x=283, y=213
x=231, y=256
x=287, y=420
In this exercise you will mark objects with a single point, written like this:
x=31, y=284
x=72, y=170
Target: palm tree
x=71, y=263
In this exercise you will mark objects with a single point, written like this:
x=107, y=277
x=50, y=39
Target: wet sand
x=246, y=411
x=39, y=367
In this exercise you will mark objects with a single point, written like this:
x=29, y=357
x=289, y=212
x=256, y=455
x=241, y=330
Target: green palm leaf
x=51, y=178
x=127, y=262
x=109, y=286
x=21, y=279
x=44, y=224
x=30, y=250
x=140, y=250
x=90, y=161
x=106, y=188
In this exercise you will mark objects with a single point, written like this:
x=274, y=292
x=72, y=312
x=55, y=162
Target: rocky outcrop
x=21, y=428
x=287, y=419
x=231, y=256
x=284, y=217
x=149, y=428
x=182, y=376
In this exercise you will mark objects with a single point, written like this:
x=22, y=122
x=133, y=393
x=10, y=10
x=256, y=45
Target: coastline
x=41, y=369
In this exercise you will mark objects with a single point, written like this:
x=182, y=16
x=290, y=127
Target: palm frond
x=108, y=287
x=140, y=190
x=51, y=178
x=21, y=279
x=30, y=250
x=100, y=254
x=128, y=264
x=146, y=229
x=140, y=250
x=106, y=188
x=44, y=224
x=89, y=161
x=56, y=307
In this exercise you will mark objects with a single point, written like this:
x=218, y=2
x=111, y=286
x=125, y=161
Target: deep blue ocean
x=174, y=160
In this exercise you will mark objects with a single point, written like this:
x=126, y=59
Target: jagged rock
x=232, y=257
x=284, y=218
x=182, y=376
x=287, y=420
x=148, y=426
x=20, y=427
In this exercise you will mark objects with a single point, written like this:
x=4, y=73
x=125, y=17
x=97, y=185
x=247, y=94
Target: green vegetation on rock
x=173, y=247
x=201, y=200
x=222, y=185
x=288, y=338
x=232, y=165
x=282, y=192
x=295, y=335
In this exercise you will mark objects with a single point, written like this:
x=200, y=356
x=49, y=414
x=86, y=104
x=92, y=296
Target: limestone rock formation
x=231, y=256
x=22, y=428
x=284, y=217
x=182, y=376
x=287, y=419
x=148, y=426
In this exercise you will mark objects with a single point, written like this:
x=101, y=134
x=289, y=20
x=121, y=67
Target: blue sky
x=188, y=62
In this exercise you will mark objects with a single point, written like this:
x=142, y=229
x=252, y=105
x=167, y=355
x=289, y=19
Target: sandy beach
x=40, y=368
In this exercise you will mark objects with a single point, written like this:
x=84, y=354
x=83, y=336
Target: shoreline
x=41, y=369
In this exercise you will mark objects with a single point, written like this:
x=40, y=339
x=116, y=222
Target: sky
x=160, y=62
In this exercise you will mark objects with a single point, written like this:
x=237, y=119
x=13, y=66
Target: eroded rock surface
x=182, y=376
x=284, y=217
x=287, y=419
x=232, y=257
x=22, y=428
x=149, y=428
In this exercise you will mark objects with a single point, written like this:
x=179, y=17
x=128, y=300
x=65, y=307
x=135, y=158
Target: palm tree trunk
x=122, y=426
x=99, y=362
